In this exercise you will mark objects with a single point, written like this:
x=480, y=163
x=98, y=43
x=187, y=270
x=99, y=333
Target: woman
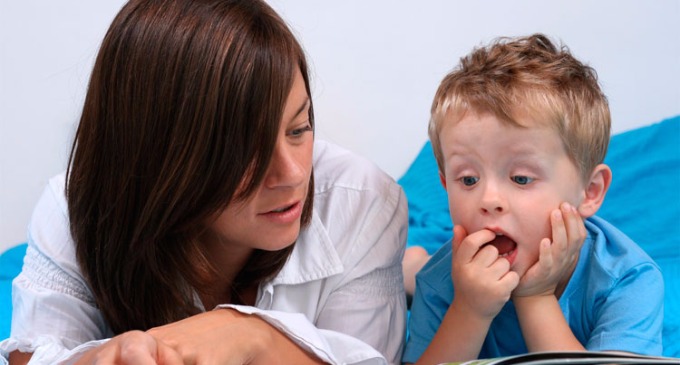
x=190, y=187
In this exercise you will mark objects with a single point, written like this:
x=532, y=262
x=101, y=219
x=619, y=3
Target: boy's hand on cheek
x=558, y=258
x=482, y=279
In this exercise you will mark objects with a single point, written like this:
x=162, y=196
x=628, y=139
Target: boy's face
x=507, y=179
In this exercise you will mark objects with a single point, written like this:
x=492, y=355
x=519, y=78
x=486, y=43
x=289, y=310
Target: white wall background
x=375, y=67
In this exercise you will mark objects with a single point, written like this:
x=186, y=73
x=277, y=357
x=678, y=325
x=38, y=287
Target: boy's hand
x=483, y=281
x=557, y=258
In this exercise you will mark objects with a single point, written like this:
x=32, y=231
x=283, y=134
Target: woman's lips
x=284, y=215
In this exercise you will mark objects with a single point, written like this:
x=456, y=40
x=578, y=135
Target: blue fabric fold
x=10, y=266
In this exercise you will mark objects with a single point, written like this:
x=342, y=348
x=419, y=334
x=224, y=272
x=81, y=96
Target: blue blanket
x=10, y=266
x=643, y=201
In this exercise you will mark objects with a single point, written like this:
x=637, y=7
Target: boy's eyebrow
x=525, y=152
x=458, y=150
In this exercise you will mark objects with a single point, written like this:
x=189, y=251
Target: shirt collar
x=314, y=256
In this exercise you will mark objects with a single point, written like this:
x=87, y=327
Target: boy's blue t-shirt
x=613, y=301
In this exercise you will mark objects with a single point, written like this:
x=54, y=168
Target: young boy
x=520, y=130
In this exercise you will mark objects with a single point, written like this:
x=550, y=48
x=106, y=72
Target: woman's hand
x=558, y=258
x=129, y=348
x=226, y=336
x=482, y=280
x=222, y=336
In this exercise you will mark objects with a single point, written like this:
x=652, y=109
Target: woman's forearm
x=227, y=334
x=278, y=348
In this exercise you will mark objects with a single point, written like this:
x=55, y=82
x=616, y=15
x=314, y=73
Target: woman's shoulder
x=337, y=167
x=350, y=190
x=48, y=230
x=54, y=193
x=51, y=211
x=358, y=208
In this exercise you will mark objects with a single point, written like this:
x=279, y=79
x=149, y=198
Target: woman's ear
x=595, y=190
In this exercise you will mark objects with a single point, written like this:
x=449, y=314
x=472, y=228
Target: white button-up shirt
x=340, y=295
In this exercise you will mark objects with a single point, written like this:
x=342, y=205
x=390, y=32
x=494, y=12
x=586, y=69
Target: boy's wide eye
x=522, y=180
x=469, y=180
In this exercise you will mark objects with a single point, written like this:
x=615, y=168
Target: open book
x=590, y=358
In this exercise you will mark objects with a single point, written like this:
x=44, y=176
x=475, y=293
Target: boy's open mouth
x=504, y=245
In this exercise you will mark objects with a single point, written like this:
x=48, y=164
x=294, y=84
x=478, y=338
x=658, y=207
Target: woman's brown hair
x=180, y=119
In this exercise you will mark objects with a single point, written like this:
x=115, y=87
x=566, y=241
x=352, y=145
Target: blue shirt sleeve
x=434, y=293
x=616, y=294
x=630, y=317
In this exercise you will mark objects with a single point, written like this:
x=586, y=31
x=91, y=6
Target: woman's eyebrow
x=304, y=106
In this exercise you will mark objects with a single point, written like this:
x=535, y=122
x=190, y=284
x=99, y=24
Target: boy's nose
x=492, y=200
x=492, y=208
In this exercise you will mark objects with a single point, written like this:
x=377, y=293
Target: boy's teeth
x=507, y=253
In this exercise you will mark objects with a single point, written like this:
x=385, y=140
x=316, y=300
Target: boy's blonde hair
x=528, y=79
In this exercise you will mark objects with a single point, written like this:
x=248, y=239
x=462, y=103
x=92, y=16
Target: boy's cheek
x=455, y=209
x=525, y=261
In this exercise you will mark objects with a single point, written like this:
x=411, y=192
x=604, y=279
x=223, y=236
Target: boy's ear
x=442, y=178
x=595, y=190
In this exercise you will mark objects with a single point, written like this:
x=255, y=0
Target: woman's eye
x=469, y=180
x=300, y=131
x=522, y=180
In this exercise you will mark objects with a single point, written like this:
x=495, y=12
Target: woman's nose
x=286, y=168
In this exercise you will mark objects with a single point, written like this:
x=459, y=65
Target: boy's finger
x=545, y=255
x=500, y=267
x=471, y=244
x=510, y=280
x=559, y=230
x=486, y=256
x=576, y=230
x=459, y=235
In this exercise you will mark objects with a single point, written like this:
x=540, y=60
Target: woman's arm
x=51, y=315
x=241, y=338
x=222, y=336
x=53, y=310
